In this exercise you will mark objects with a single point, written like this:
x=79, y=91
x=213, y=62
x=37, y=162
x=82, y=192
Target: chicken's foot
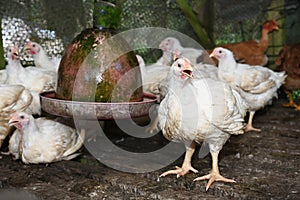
x=5, y=153
x=214, y=175
x=291, y=103
x=186, y=165
x=249, y=126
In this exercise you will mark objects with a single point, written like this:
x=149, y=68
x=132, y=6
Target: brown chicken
x=288, y=60
x=252, y=52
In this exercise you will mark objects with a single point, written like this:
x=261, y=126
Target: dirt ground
x=265, y=166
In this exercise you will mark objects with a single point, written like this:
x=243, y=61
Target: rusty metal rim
x=148, y=98
x=56, y=107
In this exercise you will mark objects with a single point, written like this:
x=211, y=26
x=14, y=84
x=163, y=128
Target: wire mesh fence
x=54, y=23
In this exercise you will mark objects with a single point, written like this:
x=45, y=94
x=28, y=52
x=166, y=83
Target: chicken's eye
x=33, y=45
x=179, y=65
x=22, y=117
x=220, y=51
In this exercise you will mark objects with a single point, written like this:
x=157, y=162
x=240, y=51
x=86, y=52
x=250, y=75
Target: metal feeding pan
x=96, y=110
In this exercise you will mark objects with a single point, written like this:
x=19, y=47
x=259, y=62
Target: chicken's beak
x=15, y=54
x=188, y=71
x=27, y=47
x=276, y=28
x=13, y=121
x=162, y=46
x=212, y=54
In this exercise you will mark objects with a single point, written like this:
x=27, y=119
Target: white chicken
x=152, y=75
x=156, y=78
x=41, y=59
x=34, y=79
x=199, y=110
x=170, y=44
x=256, y=84
x=44, y=140
x=13, y=98
x=203, y=70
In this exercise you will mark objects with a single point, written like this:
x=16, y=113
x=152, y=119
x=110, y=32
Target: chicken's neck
x=264, y=40
x=229, y=64
x=167, y=58
x=41, y=59
x=227, y=69
x=13, y=68
x=30, y=129
x=178, y=83
x=14, y=65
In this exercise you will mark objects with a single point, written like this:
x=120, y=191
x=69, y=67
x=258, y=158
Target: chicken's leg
x=186, y=165
x=249, y=126
x=291, y=103
x=214, y=175
x=153, y=128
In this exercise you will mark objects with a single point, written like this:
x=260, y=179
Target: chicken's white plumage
x=44, y=140
x=257, y=85
x=158, y=76
x=199, y=110
x=13, y=98
x=14, y=145
x=152, y=75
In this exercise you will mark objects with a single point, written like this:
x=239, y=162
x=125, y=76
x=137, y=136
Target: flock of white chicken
x=202, y=103
x=36, y=140
x=199, y=103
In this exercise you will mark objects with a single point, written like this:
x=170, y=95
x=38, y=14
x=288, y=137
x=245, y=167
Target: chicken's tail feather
x=70, y=157
x=241, y=104
x=237, y=125
x=69, y=154
x=281, y=76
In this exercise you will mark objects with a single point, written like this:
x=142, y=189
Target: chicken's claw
x=251, y=128
x=212, y=177
x=179, y=171
x=291, y=105
x=152, y=129
x=5, y=153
